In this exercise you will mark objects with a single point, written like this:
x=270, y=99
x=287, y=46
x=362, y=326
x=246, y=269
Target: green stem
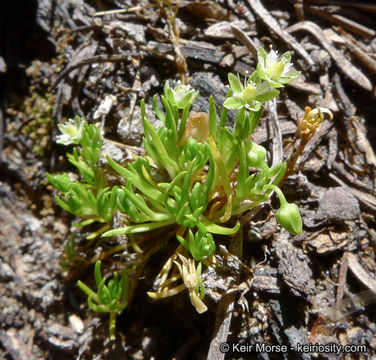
x=98, y=232
x=112, y=325
x=89, y=221
x=221, y=167
x=213, y=118
x=278, y=191
x=223, y=117
x=247, y=207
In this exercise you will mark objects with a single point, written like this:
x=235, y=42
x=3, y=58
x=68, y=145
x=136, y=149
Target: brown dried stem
x=307, y=126
x=169, y=14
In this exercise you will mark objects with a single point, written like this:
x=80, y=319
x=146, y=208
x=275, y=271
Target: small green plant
x=111, y=297
x=196, y=179
x=91, y=200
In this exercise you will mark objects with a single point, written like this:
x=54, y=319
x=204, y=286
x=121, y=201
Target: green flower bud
x=276, y=70
x=251, y=95
x=255, y=155
x=288, y=217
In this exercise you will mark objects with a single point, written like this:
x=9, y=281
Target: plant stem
x=292, y=162
x=112, y=325
x=278, y=191
x=221, y=168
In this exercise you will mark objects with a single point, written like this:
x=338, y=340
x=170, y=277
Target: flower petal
x=261, y=54
x=235, y=83
x=289, y=77
x=256, y=106
x=234, y=102
x=267, y=95
x=272, y=58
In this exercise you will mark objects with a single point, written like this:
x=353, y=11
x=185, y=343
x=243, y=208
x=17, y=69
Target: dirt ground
x=62, y=58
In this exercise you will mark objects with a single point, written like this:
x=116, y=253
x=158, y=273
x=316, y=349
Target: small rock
x=6, y=272
x=111, y=150
x=76, y=324
x=105, y=107
x=294, y=268
x=134, y=31
x=31, y=223
x=338, y=204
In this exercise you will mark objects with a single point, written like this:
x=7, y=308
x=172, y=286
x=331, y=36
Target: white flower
x=71, y=131
x=274, y=69
x=250, y=95
x=181, y=95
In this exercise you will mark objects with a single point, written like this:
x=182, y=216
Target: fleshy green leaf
x=233, y=103
x=142, y=185
x=135, y=229
x=216, y=229
x=235, y=83
x=267, y=95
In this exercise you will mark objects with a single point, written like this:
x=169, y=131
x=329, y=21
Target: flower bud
x=181, y=95
x=288, y=217
x=197, y=128
x=255, y=155
x=274, y=69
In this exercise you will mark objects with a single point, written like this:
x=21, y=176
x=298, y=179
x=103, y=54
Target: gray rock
x=6, y=272
x=338, y=204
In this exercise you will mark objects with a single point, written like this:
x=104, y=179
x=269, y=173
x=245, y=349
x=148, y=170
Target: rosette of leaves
x=185, y=197
x=111, y=296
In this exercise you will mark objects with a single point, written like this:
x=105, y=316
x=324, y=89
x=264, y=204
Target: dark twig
x=245, y=40
x=361, y=55
x=170, y=17
x=366, y=199
x=362, y=275
x=273, y=25
x=99, y=59
x=277, y=134
x=342, y=277
x=347, y=24
x=343, y=64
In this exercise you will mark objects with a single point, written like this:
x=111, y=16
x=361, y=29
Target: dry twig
x=170, y=15
x=347, y=24
x=273, y=25
x=360, y=54
x=343, y=64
